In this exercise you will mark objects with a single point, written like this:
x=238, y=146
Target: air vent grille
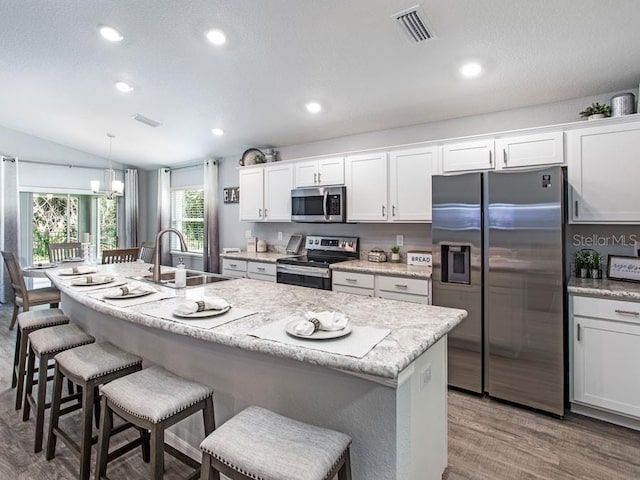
x=146, y=120
x=414, y=24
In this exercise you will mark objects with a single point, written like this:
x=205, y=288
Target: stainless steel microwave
x=319, y=205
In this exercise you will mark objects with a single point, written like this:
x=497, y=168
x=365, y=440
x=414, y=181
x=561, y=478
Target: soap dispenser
x=181, y=274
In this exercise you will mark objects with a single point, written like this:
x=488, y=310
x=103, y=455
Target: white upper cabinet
x=410, y=173
x=603, y=169
x=265, y=193
x=530, y=150
x=467, y=156
x=326, y=171
x=366, y=180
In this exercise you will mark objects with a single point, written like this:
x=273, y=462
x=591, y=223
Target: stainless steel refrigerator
x=498, y=252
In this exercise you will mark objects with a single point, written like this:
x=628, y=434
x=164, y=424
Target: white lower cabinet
x=248, y=269
x=383, y=286
x=234, y=268
x=606, y=353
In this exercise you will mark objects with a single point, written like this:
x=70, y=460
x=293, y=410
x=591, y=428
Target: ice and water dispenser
x=456, y=264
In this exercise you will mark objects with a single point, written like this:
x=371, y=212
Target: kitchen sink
x=195, y=278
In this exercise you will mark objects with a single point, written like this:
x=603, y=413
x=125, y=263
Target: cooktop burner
x=323, y=251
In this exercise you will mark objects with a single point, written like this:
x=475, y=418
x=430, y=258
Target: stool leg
x=41, y=400
x=206, y=472
x=345, y=471
x=22, y=360
x=87, y=424
x=16, y=357
x=106, y=424
x=26, y=408
x=209, y=417
x=96, y=406
x=16, y=308
x=55, y=414
x=157, y=452
x=146, y=447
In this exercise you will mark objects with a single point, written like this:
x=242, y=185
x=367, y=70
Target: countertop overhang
x=604, y=288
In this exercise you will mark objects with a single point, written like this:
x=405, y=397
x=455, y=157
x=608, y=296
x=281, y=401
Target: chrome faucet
x=157, y=253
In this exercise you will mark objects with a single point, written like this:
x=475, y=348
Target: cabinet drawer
x=261, y=276
x=367, y=292
x=609, y=309
x=233, y=273
x=362, y=280
x=235, y=265
x=261, y=268
x=413, y=286
x=404, y=297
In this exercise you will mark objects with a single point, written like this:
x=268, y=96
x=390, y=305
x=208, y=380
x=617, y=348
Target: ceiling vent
x=414, y=24
x=146, y=120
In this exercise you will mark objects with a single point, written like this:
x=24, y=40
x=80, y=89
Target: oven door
x=302, y=276
x=319, y=205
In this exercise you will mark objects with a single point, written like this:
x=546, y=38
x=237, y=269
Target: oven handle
x=324, y=205
x=303, y=270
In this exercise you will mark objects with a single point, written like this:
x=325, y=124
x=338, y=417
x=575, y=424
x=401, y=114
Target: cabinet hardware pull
x=490, y=159
x=399, y=285
x=265, y=213
x=315, y=178
x=628, y=312
x=318, y=177
x=393, y=210
x=576, y=208
x=352, y=280
x=504, y=156
x=578, y=332
x=234, y=265
x=260, y=212
x=261, y=269
x=383, y=211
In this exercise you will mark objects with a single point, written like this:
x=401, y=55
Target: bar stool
x=28, y=322
x=45, y=344
x=88, y=367
x=260, y=444
x=153, y=399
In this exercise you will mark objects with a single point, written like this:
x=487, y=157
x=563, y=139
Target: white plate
x=69, y=272
x=79, y=283
x=204, y=313
x=128, y=295
x=320, y=334
x=71, y=260
x=41, y=266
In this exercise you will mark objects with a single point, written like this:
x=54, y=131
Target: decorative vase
x=595, y=116
x=395, y=257
x=595, y=273
x=583, y=273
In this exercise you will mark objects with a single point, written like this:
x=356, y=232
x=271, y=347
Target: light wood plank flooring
x=488, y=440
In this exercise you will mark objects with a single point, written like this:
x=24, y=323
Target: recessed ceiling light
x=471, y=70
x=123, y=87
x=218, y=132
x=217, y=37
x=110, y=33
x=313, y=107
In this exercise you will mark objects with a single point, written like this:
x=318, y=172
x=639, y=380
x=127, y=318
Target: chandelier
x=117, y=187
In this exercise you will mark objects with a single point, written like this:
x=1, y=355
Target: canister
x=623, y=104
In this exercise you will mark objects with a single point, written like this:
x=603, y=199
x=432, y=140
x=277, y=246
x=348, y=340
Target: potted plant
x=596, y=110
x=595, y=260
x=395, y=253
x=583, y=263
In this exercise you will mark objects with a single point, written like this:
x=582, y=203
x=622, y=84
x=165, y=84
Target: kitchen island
x=392, y=402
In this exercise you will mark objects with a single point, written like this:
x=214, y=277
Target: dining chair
x=120, y=255
x=63, y=251
x=21, y=296
x=146, y=252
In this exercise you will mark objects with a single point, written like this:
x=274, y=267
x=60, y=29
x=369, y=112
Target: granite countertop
x=265, y=257
x=604, y=288
x=383, y=268
x=414, y=327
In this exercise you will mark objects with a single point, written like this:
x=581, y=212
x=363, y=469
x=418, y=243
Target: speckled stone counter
x=392, y=402
x=383, y=268
x=264, y=257
x=604, y=288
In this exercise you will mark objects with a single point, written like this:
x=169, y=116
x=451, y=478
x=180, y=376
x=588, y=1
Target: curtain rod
x=36, y=162
x=191, y=165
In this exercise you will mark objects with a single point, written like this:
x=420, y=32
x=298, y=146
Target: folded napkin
x=314, y=321
x=207, y=303
x=131, y=288
x=77, y=270
x=91, y=279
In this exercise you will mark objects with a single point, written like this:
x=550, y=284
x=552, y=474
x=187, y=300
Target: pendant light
x=117, y=187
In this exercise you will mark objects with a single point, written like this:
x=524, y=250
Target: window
x=187, y=216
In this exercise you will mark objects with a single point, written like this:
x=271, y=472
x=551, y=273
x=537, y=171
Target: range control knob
x=317, y=241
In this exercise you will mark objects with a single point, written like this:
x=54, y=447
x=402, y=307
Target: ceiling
x=58, y=73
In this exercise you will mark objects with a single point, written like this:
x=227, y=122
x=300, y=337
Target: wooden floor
x=488, y=440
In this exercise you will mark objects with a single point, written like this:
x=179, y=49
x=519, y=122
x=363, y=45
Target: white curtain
x=210, y=257
x=131, y=207
x=9, y=219
x=164, y=211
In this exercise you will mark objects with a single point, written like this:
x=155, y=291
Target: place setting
x=89, y=282
x=130, y=293
x=328, y=331
x=77, y=270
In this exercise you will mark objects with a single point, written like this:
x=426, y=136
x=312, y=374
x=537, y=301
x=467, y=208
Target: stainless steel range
x=312, y=270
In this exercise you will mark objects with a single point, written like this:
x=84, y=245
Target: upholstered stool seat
x=153, y=399
x=87, y=366
x=28, y=322
x=44, y=344
x=260, y=444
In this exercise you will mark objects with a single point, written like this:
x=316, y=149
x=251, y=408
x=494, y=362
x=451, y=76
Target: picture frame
x=623, y=268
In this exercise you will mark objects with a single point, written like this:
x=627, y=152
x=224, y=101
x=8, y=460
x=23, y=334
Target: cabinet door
x=278, y=181
x=307, y=173
x=603, y=169
x=251, y=194
x=463, y=156
x=331, y=171
x=605, y=356
x=410, y=173
x=530, y=150
x=366, y=180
